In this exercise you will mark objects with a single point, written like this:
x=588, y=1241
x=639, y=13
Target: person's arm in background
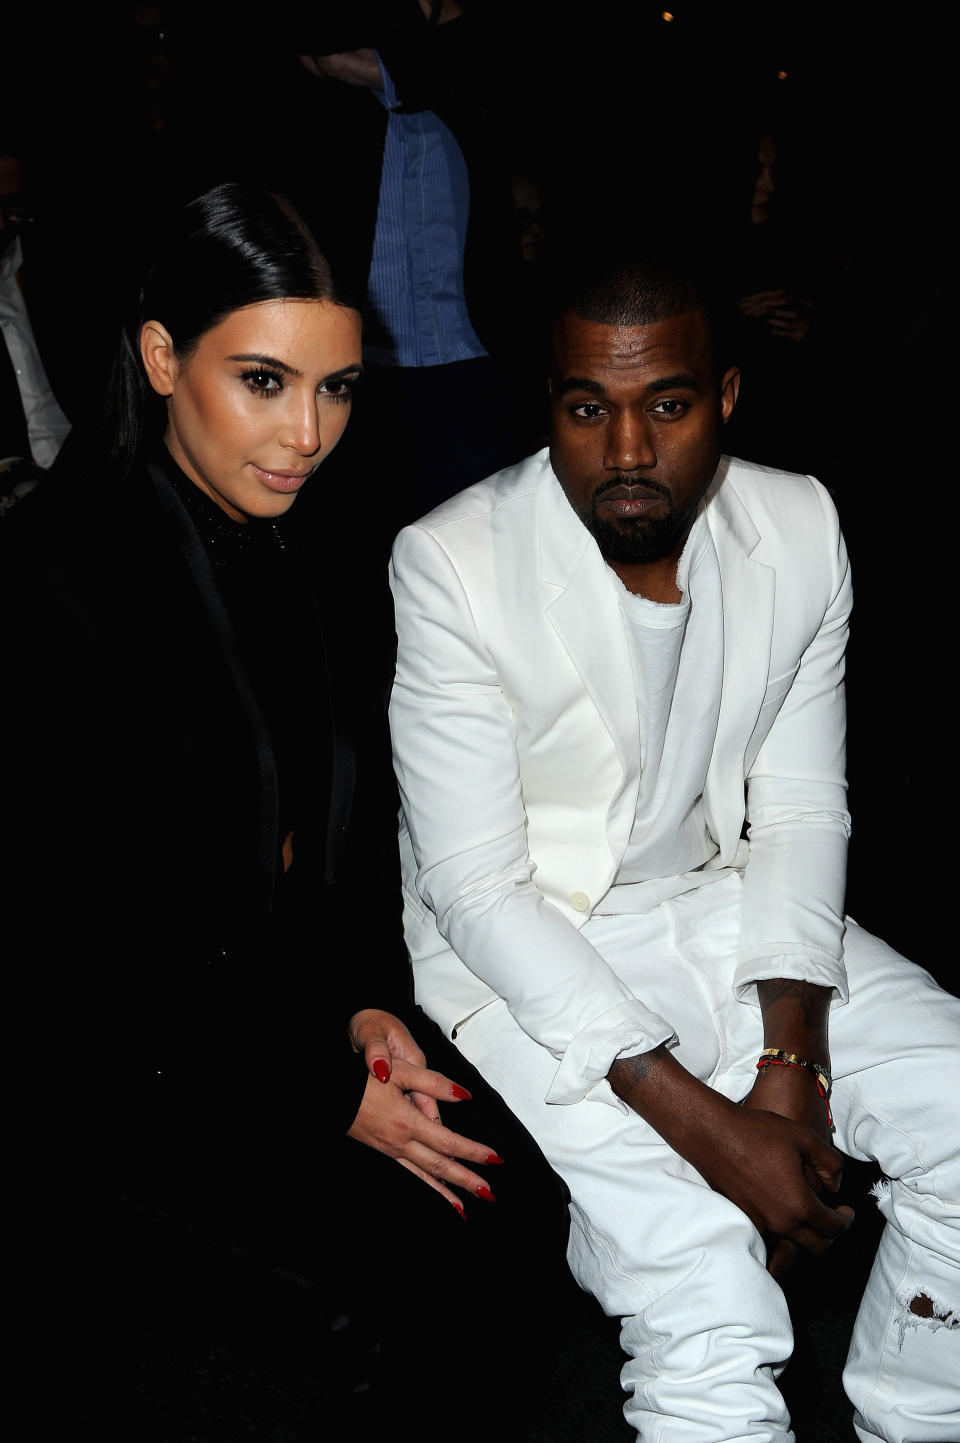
x=422, y=56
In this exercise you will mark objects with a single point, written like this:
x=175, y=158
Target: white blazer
x=514, y=722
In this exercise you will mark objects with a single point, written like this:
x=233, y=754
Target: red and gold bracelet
x=776, y=1057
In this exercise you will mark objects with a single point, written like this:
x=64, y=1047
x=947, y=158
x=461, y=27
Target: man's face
x=636, y=415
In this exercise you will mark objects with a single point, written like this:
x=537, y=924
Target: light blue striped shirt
x=416, y=309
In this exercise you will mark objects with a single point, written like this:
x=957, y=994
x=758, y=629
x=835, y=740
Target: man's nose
x=629, y=444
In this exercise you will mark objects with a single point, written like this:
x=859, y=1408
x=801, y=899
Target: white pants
x=705, y=1327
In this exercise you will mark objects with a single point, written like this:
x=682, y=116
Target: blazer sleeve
x=456, y=759
x=798, y=824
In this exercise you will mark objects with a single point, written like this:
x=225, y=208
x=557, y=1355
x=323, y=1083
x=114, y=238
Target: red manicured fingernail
x=484, y=1192
x=461, y=1213
x=493, y=1158
x=381, y=1070
x=461, y=1092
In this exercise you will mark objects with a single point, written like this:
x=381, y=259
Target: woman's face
x=260, y=402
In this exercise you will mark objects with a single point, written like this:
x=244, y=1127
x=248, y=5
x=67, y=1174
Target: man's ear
x=159, y=358
x=729, y=391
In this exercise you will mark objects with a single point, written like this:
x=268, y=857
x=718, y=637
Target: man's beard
x=636, y=541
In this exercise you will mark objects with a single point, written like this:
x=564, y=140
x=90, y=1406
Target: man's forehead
x=579, y=343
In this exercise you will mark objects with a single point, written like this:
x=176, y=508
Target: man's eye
x=588, y=410
x=670, y=408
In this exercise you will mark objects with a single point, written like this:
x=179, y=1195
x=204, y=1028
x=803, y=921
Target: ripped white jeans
x=705, y=1328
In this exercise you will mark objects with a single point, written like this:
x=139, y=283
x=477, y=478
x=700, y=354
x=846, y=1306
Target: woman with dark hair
x=199, y=860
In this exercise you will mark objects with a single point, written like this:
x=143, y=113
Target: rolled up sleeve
x=458, y=771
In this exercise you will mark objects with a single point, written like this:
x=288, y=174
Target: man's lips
x=620, y=498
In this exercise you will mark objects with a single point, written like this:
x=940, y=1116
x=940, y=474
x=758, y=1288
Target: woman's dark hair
x=233, y=246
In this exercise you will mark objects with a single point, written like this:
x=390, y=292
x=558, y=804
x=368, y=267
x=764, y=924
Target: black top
x=178, y=700
x=262, y=577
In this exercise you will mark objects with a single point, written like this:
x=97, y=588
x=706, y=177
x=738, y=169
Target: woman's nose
x=302, y=429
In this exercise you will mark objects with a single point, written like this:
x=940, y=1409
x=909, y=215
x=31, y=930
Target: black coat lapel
x=196, y=558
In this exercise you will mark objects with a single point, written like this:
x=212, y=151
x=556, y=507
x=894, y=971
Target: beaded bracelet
x=776, y=1057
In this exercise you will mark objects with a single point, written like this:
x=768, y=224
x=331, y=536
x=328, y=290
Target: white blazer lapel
x=749, y=590
x=585, y=615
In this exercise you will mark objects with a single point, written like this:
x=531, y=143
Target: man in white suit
x=618, y=721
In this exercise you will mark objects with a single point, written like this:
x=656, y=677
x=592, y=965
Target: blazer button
x=579, y=901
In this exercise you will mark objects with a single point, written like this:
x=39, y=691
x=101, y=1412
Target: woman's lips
x=281, y=480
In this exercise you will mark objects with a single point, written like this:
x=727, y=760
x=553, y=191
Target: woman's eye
x=340, y=390
x=263, y=383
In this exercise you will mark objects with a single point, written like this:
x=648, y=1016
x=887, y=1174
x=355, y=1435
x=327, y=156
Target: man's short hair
x=638, y=287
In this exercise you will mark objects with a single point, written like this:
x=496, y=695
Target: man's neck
x=650, y=583
x=654, y=580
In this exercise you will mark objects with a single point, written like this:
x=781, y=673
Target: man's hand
x=769, y=1165
x=795, y=1019
x=791, y=1093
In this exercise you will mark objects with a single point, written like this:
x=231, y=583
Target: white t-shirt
x=677, y=656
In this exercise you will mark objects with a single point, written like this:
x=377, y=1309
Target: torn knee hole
x=920, y=1310
x=923, y=1306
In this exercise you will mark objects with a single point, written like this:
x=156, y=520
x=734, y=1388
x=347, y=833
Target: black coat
x=180, y=1079
x=162, y=965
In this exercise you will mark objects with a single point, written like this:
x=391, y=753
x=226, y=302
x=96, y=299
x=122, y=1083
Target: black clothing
x=146, y=796
x=182, y=693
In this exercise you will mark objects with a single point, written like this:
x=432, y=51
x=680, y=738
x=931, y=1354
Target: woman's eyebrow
x=355, y=370
x=268, y=361
x=352, y=370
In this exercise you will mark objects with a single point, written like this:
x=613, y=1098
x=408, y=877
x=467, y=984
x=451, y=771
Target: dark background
x=623, y=119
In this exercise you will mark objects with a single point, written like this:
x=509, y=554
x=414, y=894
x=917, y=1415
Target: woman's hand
x=383, y=1039
x=390, y=1121
x=380, y=1037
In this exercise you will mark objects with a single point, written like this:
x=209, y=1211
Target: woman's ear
x=159, y=358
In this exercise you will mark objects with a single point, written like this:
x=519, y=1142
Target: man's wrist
x=796, y=1017
x=677, y=1105
x=773, y=1065
x=628, y=1073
